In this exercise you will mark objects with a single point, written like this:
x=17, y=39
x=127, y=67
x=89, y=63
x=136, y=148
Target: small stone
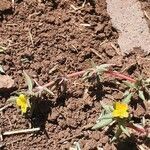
x=104, y=139
x=71, y=122
x=54, y=115
x=6, y=68
x=5, y=5
x=51, y=20
x=96, y=136
x=99, y=28
x=6, y=82
x=7, y=57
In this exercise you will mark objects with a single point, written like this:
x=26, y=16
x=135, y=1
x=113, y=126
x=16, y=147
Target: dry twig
x=77, y=8
x=147, y=16
x=20, y=131
x=95, y=52
x=31, y=37
x=116, y=49
x=4, y=107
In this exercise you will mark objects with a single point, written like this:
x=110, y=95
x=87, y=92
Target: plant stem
x=119, y=75
x=49, y=84
x=4, y=107
x=111, y=73
x=76, y=74
x=68, y=76
x=136, y=127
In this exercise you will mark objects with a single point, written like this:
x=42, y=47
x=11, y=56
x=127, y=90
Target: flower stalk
x=120, y=75
x=80, y=73
x=136, y=127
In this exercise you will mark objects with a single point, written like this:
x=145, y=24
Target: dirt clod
x=5, y=5
x=6, y=83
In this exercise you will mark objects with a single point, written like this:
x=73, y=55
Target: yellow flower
x=22, y=102
x=120, y=110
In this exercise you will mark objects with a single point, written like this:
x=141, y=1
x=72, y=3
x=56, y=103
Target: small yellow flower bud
x=22, y=102
x=120, y=110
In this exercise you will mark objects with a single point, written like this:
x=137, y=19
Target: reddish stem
x=48, y=84
x=137, y=128
x=76, y=74
x=111, y=73
x=119, y=75
x=68, y=76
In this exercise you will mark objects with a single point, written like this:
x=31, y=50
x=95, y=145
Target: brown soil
x=39, y=36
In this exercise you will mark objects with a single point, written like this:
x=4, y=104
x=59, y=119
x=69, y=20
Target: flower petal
x=124, y=114
x=24, y=109
x=124, y=106
x=117, y=105
x=18, y=102
x=23, y=98
x=121, y=106
x=22, y=102
x=115, y=113
x=120, y=110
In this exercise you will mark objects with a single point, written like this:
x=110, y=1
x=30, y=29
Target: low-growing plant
x=119, y=115
x=22, y=98
x=141, y=88
x=96, y=72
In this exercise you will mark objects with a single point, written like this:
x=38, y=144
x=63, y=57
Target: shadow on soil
x=41, y=108
x=5, y=12
x=99, y=89
x=127, y=144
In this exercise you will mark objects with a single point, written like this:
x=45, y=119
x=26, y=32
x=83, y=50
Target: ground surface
x=41, y=36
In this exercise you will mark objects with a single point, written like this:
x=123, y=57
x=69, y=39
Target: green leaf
x=117, y=134
x=1, y=69
x=102, y=123
x=141, y=95
x=125, y=130
x=107, y=108
x=130, y=85
x=127, y=99
x=99, y=118
x=126, y=93
x=28, y=81
x=12, y=99
x=103, y=67
x=107, y=116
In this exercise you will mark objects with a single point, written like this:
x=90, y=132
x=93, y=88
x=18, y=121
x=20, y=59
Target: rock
x=127, y=17
x=5, y=5
x=6, y=83
x=99, y=28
